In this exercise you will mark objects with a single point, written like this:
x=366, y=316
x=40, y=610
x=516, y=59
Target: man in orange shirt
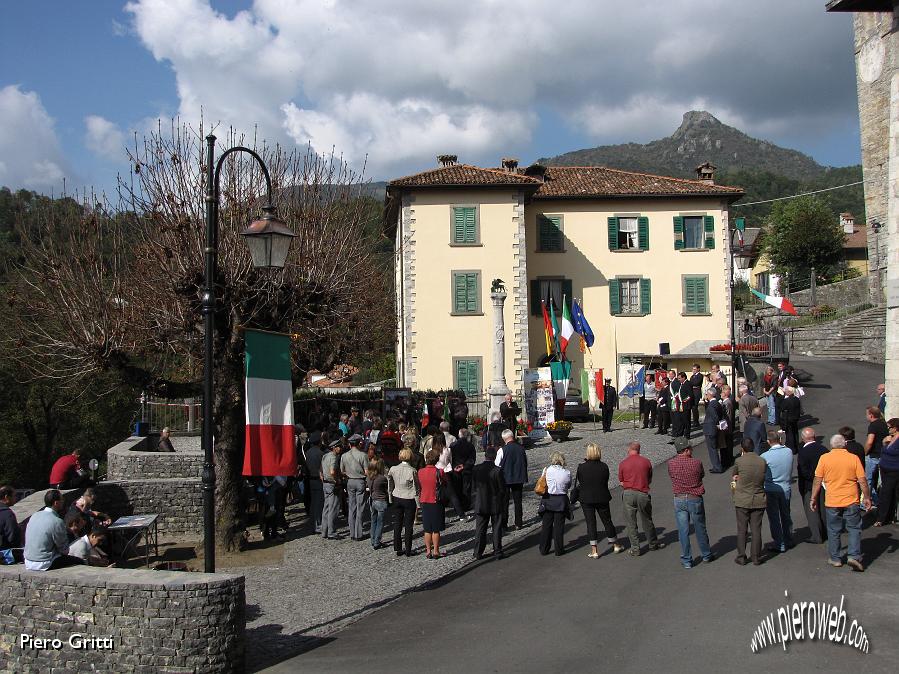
x=842, y=475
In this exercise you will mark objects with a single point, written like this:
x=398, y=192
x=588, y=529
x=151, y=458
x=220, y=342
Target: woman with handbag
x=554, y=505
x=592, y=490
x=433, y=516
x=403, y=489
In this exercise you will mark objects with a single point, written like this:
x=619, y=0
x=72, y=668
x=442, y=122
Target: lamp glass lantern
x=269, y=240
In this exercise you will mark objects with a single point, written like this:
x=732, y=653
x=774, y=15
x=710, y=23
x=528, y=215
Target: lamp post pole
x=733, y=339
x=213, y=172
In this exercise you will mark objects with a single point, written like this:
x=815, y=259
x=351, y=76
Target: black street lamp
x=737, y=255
x=269, y=241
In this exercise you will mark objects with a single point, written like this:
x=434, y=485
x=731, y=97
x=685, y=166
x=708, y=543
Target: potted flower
x=477, y=425
x=559, y=430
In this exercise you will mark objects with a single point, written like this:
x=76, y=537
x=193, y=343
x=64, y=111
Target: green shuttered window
x=678, y=232
x=628, y=233
x=696, y=294
x=467, y=375
x=709, y=226
x=549, y=234
x=694, y=232
x=466, y=292
x=630, y=296
x=465, y=225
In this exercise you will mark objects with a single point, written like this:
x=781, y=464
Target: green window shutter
x=471, y=292
x=467, y=376
x=709, y=226
x=678, y=232
x=459, y=298
x=464, y=224
x=613, y=233
x=566, y=292
x=690, y=296
x=645, y=296
x=614, y=297
x=643, y=232
x=550, y=235
x=536, y=309
x=702, y=296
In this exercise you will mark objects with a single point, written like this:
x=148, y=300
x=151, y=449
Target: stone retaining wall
x=135, y=621
x=130, y=460
x=177, y=501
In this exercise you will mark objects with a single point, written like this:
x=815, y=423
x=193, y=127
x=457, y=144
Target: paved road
x=533, y=613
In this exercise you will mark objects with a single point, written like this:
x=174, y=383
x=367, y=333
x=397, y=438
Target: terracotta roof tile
x=576, y=182
x=858, y=238
x=462, y=174
x=598, y=181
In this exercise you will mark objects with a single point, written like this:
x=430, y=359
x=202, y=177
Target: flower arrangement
x=523, y=427
x=746, y=347
x=561, y=425
x=477, y=425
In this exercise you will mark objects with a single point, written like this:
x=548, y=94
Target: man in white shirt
x=87, y=548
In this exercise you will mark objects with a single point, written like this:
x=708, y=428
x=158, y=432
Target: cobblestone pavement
x=323, y=586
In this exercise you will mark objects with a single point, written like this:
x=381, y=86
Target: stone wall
x=135, y=621
x=129, y=460
x=838, y=295
x=177, y=501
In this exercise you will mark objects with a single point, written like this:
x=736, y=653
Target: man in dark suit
x=514, y=465
x=806, y=463
x=684, y=402
x=713, y=416
x=755, y=430
x=489, y=490
x=790, y=412
x=750, y=500
x=696, y=380
x=463, y=457
x=663, y=410
x=509, y=411
x=609, y=403
x=782, y=374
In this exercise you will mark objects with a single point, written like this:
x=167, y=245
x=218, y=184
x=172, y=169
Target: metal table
x=142, y=526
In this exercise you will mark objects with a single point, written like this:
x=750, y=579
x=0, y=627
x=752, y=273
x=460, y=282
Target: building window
x=464, y=226
x=550, y=238
x=628, y=232
x=467, y=375
x=763, y=283
x=696, y=295
x=694, y=232
x=630, y=296
x=549, y=290
x=466, y=292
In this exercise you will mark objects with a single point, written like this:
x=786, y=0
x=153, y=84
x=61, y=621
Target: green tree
x=802, y=234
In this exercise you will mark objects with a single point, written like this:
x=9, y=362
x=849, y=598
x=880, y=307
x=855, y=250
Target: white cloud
x=32, y=158
x=104, y=138
x=399, y=80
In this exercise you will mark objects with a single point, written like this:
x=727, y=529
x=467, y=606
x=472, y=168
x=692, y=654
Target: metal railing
x=765, y=344
x=179, y=416
x=826, y=314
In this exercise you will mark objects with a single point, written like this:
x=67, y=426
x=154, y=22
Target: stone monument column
x=498, y=387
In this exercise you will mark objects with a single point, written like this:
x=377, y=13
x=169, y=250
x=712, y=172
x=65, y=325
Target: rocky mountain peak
x=697, y=121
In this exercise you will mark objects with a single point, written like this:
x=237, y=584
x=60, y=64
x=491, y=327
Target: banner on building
x=538, y=396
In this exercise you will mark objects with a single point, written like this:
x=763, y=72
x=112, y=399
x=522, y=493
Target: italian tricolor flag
x=781, y=303
x=269, y=449
x=567, y=329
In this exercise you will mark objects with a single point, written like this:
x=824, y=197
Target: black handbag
x=575, y=494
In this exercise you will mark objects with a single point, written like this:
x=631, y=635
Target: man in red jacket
x=67, y=472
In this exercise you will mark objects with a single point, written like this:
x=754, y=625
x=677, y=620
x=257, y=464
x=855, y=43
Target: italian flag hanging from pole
x=567, y=329
x=269, y=449
x=781, y=303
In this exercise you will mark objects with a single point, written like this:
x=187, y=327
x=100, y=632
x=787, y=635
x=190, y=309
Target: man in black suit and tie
x=790, y=412
x=755, y=430
x=714, y=413
x=609, y=403
x=784, y=372
x=509, y=411
x=696, y=379
x=489, y=487
x=684, y=401
x=806, y=463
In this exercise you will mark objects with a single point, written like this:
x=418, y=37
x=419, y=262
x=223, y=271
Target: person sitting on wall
x=46, y=537
x=10, y=533
x=83, y=506
x=67, y=472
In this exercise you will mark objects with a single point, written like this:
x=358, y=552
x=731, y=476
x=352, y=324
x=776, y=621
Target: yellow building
x=645, y=255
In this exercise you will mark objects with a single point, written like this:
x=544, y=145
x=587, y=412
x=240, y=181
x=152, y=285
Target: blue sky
x=395, y=82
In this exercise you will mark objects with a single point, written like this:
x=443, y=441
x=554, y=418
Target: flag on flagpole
x=634, y=387
x=269, y=449
x=555, y=327
x=567, y=329
x=781, y=303
x=580, y=324
x=547, y=330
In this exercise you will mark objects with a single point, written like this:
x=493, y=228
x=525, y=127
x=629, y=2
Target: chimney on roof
x=706, y=173
x=447, y=159
x=537, y=171
x=847, y=222
x=510, y=164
